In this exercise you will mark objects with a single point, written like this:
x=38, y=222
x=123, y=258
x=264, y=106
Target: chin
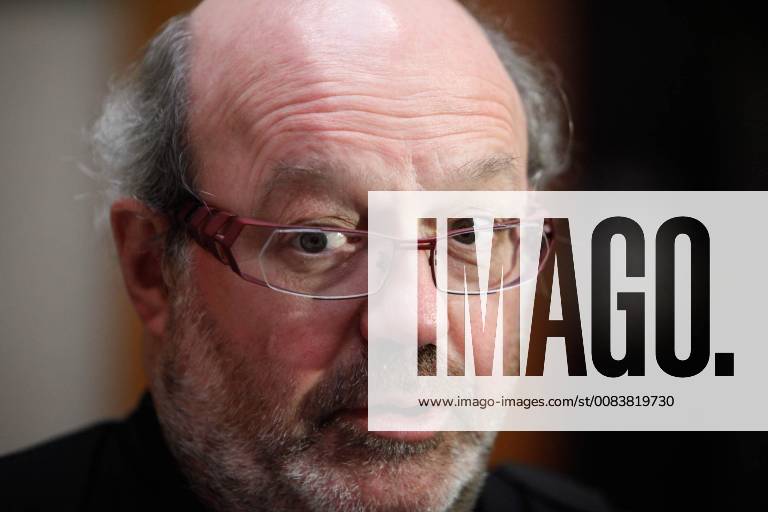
x=351, y=470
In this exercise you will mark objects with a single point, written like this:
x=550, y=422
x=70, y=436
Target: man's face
x=297, y=112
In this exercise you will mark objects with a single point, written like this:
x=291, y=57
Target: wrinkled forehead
x=399, y=73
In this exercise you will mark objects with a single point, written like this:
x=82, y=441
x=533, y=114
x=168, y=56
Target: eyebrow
x=488, y=168
x=285, y=173
x=331, y=174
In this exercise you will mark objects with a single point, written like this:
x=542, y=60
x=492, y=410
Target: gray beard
x=243, y=449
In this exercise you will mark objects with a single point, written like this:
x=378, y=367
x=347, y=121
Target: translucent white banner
x=567, y=311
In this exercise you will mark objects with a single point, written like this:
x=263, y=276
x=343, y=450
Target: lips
x=358, y=417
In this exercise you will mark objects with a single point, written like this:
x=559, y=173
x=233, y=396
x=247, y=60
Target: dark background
x=677, y=96
x=673, y=96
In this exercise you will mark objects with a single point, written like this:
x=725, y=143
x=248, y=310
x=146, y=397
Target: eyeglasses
x=323, y=262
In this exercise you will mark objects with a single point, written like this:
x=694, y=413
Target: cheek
x=484, y=336
x=270, y=329
x=301, y=336
x=512, y=331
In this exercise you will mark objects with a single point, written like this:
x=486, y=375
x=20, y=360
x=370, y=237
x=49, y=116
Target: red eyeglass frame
x=216, y=230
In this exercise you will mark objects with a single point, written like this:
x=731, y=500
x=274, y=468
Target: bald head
x=385, y=36
x=385, y=80
x=205, y=79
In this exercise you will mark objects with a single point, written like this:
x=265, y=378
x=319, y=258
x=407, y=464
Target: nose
x=364, y=322
x=427, y=305
x=427, y=302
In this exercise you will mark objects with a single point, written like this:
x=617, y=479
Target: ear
x=138, y=234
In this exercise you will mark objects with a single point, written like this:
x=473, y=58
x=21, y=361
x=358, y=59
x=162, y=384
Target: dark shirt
x=126, y=466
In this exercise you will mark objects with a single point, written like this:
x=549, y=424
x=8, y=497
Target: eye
x=467, y=238
x=315, y=242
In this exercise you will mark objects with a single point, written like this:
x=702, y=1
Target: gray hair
x=139, y=142
x=547, y=115
x=141, y=145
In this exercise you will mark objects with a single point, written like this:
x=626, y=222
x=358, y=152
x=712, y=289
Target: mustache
x=347, y=388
